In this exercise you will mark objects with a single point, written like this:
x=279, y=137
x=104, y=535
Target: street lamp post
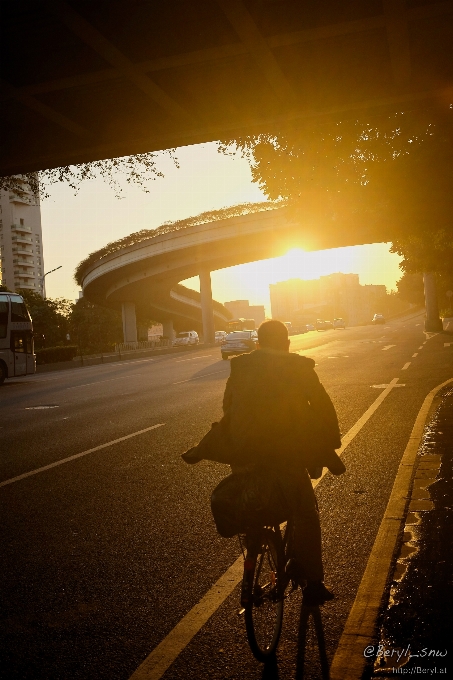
x=43, y=277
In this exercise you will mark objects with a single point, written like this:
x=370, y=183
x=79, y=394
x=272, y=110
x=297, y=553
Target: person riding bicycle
x=278, y=415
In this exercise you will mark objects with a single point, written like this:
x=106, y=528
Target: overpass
x=145, y=275
x=83, y=81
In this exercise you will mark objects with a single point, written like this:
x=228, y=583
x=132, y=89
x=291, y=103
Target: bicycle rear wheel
x=263, y=594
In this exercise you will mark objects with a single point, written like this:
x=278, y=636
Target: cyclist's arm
x=323, y=409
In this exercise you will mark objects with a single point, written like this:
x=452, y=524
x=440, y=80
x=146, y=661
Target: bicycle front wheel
x=263, y=595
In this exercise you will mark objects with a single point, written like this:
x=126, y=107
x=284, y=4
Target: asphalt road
x=104, y=554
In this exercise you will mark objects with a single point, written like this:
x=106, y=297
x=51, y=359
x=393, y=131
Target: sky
x=76, y=225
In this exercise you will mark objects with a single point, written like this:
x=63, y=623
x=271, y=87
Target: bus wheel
x=3, y=373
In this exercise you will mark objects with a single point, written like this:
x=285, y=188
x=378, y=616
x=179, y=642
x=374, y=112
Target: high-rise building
x=242, y=309
x=21, y=248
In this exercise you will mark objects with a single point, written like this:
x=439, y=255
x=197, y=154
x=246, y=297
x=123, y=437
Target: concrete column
x=207, y=309
x=168, y=331
x=432, y=321
x=129, y=322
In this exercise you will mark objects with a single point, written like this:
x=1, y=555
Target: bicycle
x=264, y=585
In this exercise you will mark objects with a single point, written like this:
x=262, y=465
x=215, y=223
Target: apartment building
x=21, y=248
x=242, y=309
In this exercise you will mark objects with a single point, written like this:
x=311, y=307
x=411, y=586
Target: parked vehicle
x=310, y=327
x=220, y=336
x=16, y=338
x=186, y=338
x=378, y=318
x=239, y=342
x=339, y=323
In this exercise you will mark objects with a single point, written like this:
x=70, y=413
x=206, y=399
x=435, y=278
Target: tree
x=94, y=328
x=50, y=318
x=391, y=175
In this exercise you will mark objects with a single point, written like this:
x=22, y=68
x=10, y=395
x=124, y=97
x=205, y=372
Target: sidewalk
x=416, y=622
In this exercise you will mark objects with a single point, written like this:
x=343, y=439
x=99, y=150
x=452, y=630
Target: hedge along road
x=106, y=554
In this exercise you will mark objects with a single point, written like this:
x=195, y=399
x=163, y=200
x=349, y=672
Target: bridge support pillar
x=167, y=328
x=432, y=321
x=207, y=308
x=129, y=322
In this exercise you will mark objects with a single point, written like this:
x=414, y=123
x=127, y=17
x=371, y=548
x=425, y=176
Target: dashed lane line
x=197, y=377
x=387, y=347
x=406, y=366
x=205, y=356
x=415, y=355
x=166, y=652
x=78, y=455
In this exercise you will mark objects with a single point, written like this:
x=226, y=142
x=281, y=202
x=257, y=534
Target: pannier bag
x=243, y=501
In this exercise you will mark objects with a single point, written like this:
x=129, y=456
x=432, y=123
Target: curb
x=359, y=632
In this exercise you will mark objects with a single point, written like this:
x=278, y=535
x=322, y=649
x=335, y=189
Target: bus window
x=4, y=308
x=18, y=342
x=18, y=310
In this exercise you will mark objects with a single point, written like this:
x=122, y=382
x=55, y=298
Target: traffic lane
x=94, y=414
x=91, y=412
x=182, y=524
x=351, y=510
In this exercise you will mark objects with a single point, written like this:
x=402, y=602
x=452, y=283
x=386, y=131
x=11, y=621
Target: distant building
x=335, y=295
x=21, y=248
x=242, y=309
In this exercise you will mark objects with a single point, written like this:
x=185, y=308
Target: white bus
x=16, y=337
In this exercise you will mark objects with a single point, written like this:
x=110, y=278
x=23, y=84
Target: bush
x=50, y=355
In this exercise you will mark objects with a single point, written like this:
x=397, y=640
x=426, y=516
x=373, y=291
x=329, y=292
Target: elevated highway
x=146, y=275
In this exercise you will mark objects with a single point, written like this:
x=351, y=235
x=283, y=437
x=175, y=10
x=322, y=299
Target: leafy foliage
x=50, y=318
x=138, y=169
x=167, y=227
x=94, y=328
x=392, y=173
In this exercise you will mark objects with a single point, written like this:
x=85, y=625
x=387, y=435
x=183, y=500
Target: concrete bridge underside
x=145, y=276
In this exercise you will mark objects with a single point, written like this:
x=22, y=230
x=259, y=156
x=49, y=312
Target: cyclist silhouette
x=278, y=415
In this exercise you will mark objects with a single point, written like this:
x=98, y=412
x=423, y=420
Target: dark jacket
x=275, y=409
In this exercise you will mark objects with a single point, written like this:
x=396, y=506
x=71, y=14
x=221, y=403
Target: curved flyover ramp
x=145, y=275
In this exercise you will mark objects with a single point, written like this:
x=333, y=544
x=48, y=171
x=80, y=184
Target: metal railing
x=141, y=344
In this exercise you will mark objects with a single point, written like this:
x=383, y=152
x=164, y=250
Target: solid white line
x=77, y=455
x=162, y=656
x=415, y=355
x=406, y=366
x=197, y=377
x=205, y=356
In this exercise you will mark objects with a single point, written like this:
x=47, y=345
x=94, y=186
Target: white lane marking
x=162, y=656
x=206, y=356
x=379, y=387
x=415, y=355
x=77, y=455
x=387, y=347
x=38, y=408
x=421, y=347
x=447, y=344
x=197, y=377
x=406, y=366
x=98, y=382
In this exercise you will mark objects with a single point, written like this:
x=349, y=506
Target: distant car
x=378, y=318
x=239, y=342
x=328, y=325
x=220, y=336
x=186, y=338
x=339, y=323
x=309, y=327
x=320, y=325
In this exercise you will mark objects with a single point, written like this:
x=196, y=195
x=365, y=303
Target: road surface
x=105, y=553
